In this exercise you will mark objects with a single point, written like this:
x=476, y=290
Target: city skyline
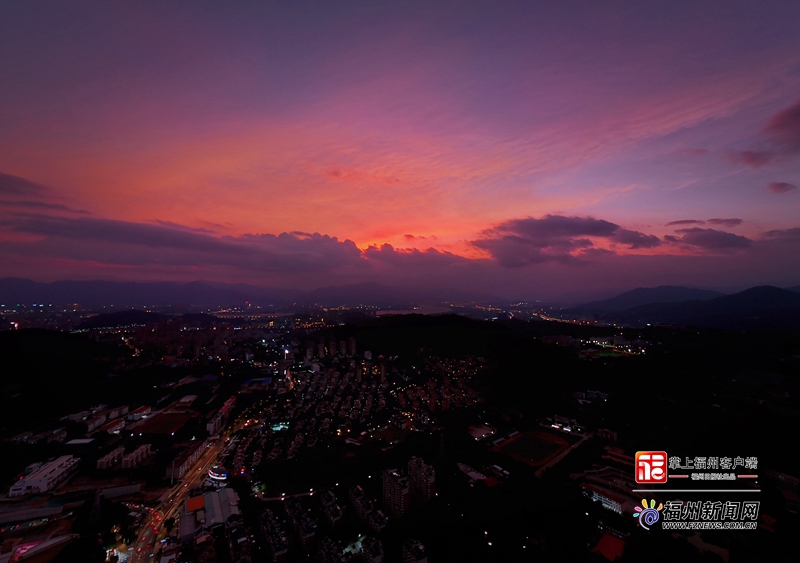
x=513, y=149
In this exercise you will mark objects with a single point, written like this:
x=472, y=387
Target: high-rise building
x=352, y=344
x=421, y=479
x=395, y=493
x=342, y=348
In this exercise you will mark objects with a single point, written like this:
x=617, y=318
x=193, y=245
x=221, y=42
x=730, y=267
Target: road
x=283, y=497
x=171, y=502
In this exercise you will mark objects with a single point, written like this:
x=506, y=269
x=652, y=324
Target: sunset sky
x=520, y=148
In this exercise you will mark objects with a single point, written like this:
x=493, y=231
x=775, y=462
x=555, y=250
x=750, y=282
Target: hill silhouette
x=645, y=296
x=763, y=307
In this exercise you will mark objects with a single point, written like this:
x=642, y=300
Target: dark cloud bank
x=547, y=255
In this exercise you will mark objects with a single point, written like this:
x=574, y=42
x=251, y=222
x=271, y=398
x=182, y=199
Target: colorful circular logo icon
x=648, y=515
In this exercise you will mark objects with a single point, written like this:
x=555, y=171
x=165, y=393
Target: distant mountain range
x=206, y=294
x=763, y=307
x=645, y=296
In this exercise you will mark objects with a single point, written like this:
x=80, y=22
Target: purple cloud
x=176, y=226
x=782, y=134
x=791, y=234
x=723, y=222
x=14, y=185
x=635, y=239
x=754, y=159
x=133, y=250
x=386, y=254
x=685, y=222
x=43, y=205
x=712, y=239
x=726, y=222
x=19, y=194
x=555, y=228
x=520, y=242
x=516, y=252
x=784, y=128
x=781, y=187
x=120, y=232
x=287, y=259
x=136, y=244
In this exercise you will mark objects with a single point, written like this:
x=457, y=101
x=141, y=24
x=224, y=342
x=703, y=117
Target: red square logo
x=651, y=467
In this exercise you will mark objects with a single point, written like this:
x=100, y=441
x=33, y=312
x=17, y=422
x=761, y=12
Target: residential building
x=136, y=457
x=395, y=493
x=421, y=480
x=361, y=504
x=111, y=459
x=185, y=460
